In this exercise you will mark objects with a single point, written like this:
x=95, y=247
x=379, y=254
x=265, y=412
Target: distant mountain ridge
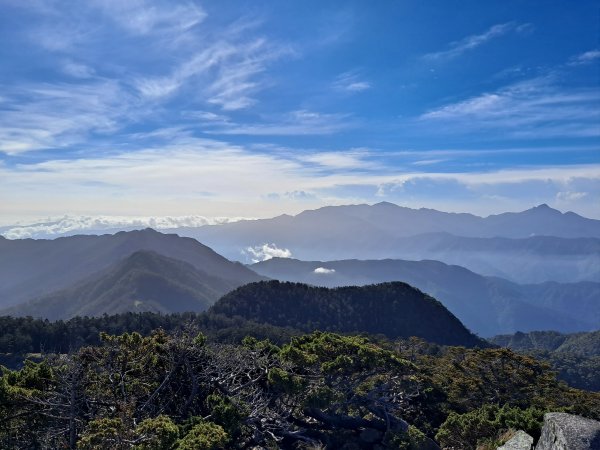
x=144, y=281
x=392, y=309
x=30, y=268
x=516, y=246
x=581, y=344
x=487, y=305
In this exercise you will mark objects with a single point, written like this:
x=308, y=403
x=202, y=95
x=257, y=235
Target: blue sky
x=252, y=109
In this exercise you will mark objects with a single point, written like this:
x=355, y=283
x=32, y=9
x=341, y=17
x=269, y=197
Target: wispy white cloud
x=428, y=162
x=585, y=58
x=293, y=195
x=351, y=82
x=353, y=159
x=294, y=123
x=534, y=108
x=457, y=48
x=236, y=81
x=57, y=115
x=224, y=71
x=207, y=116
x=77, y=70
x=194, y=66
x=143, y=17
x=227, y=180
x=224, y=74
x=570, y=196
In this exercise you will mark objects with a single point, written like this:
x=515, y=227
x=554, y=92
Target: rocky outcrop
x=520, y=441
x=568, y=432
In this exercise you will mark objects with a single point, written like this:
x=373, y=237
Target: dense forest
x=23, y=335
x=577, y=365
x=575, y=357
x=181, y=390
x=392, y=309
x=580, y=344
x=270, y=309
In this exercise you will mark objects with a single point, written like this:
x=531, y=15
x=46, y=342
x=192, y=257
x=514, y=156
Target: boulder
x=520, y=441
x=563, y=431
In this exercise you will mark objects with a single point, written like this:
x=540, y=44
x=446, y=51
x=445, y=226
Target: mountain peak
x=385, y=205
x=544, y=209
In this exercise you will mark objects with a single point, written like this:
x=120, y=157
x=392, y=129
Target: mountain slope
x=487, y=305
x=30, y=268
x=574, y=357
x=144, y=281
x=580, y=344
x=393, y=309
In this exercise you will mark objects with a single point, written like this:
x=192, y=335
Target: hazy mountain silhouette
x=392, y=309
x=31, y=268
x=539, y=244
x=144, y=281
x=487, y=305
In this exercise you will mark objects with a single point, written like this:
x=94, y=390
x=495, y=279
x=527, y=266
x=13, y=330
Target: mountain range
x=143, y=281
x=32, y=268
x=472, y=274
x=487, y=305
x=533, y=246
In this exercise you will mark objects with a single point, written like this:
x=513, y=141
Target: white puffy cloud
x=267, y=251
x=324, y=271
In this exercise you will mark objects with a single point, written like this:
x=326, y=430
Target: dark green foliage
x=391, y=309
x=204, y=436
x=575, y=357
x=186, y=391
x=22, y=335
x=577, y=371
x=482, y=425
x=580, y=344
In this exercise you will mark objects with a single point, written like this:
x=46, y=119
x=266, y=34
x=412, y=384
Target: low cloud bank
x=66, y=225
x=266, y=251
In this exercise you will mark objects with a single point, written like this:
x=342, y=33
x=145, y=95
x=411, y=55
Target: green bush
x=204, y=436
x=486, y=423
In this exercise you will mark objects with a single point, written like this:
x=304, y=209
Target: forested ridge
x=392, y=309
x=22, y=335
x=270, y=309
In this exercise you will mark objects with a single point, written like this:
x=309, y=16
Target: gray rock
x=569, y=432
x=520, y=441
